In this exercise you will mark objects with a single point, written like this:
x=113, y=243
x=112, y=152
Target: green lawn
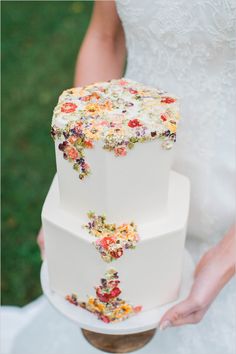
x=40, y=41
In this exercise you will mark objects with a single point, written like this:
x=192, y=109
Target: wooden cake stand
x=120, y=337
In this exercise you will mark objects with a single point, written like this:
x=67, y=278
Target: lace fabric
x=189, y=48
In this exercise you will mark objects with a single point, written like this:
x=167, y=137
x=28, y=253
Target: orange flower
x=107, y=105
x=72, y=139
x=72, y=153
x=89, y=97
x=88, y=144
x=95, y=95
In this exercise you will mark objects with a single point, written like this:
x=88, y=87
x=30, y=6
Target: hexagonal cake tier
x=150, y=274
x=114, y=150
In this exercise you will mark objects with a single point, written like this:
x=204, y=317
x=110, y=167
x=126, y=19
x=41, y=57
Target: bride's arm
x=102, y=54
x=215, y=269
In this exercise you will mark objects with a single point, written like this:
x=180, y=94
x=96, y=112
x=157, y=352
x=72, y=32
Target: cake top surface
x=119, y=112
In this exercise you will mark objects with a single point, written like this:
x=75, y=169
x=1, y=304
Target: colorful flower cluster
x=107, y=305
x=112, y=240
x=121, y=113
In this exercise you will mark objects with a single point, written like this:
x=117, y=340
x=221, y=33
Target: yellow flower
x=92, y=135
x=172, y=126
x=177, y=115
x=130, y=235
x=93, y=108
x=126, y=308
x=122, y=311
x=123, y=227
x=95, y=304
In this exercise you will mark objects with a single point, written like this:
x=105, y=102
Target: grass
x=40, y=41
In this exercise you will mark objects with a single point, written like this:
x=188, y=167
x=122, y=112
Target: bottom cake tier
x=116, y=271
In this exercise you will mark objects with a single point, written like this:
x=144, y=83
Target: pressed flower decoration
x=112, y=240
x=120, y=112
x=107, y=305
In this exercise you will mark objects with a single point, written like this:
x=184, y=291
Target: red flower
x=68, y=107
x=133, y=91
x=134, y=123
x=105, y=242
x=103, y=297
x=117, y=253
x=106, y=297
x=115, y=292
x=105, y=319
x=167, y=100
x=163, y=117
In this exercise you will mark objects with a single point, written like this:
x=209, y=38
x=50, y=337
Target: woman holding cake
x=175, y=47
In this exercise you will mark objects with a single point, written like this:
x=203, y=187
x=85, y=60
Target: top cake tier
x=113, y=149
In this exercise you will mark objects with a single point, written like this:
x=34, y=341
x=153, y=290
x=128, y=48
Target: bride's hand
x=213, y=271
x=40, y=242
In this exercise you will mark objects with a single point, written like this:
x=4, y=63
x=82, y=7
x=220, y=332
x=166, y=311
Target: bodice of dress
x=189, y=48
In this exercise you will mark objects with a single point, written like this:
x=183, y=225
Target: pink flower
x=85, y=98
x=86, y=166
x=120, y=151
x=123, y=82
x=105, y=319
x=137, y=308
x=104, y=122
x=133, y=91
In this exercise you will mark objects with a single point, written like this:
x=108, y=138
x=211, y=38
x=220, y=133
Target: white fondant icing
x=150, y=275
x=125, y=188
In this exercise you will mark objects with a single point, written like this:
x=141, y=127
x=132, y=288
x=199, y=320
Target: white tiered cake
x=115, y=216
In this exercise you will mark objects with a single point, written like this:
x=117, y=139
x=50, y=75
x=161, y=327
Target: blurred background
x=40, y=42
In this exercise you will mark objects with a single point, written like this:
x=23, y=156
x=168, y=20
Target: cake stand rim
x=144, y=321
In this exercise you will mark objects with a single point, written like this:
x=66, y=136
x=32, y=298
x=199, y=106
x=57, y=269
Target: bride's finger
x=178, y=312
x=193, y=318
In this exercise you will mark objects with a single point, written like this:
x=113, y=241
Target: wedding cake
x=115, y=216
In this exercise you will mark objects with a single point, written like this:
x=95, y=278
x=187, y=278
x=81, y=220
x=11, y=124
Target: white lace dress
x=187, y=47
